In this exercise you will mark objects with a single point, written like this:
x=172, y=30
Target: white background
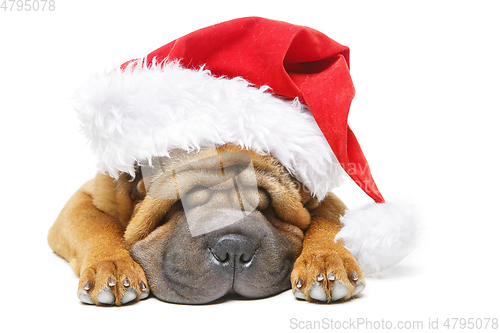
x=427, y=75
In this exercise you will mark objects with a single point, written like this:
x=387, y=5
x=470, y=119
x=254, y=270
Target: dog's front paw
x=327, y=275
x=112, y=282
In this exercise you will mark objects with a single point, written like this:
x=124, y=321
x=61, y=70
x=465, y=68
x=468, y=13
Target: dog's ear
x=112, y=196
x=146, y=216
x=118, y=197
x=129, y=192
x=137, y=212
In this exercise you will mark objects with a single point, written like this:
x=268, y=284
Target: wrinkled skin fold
x=189, y=235
x=251, y=258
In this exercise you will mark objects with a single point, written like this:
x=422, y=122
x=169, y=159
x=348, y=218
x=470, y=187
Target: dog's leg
x=326, y=271
x=92, y=242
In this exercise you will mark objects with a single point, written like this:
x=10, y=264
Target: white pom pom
x=378, y=235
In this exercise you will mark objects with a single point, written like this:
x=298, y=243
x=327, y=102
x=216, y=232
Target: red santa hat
x=268, y=85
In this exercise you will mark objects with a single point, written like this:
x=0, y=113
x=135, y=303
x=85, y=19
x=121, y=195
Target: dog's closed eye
x=197, y=196
x=200, y=195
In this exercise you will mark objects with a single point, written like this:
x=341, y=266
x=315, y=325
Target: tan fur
x=106, y=216
x=320, y=254
x=146, y=218
x=92, y=240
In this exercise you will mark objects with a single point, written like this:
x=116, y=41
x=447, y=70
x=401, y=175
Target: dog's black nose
x=233, y=249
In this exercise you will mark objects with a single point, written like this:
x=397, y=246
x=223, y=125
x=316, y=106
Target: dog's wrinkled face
x=234, y=224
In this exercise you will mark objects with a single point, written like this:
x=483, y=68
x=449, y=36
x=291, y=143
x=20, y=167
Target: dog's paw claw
x=327, y=276
x=111, y=282
x=144, y=291
x=115, y=282
x=299, y=283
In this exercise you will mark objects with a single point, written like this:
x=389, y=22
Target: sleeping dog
x=217, y=154
x=126, y=237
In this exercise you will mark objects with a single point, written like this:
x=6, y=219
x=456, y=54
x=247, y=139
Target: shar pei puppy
x=202, y=243
x=218, y=153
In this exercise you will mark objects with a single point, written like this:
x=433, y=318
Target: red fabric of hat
x=294, y=61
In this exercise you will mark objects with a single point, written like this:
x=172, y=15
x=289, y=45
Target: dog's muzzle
x=221, y=243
